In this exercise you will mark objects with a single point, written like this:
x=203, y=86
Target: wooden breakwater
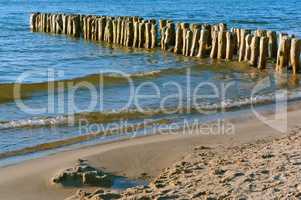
x=216, y=41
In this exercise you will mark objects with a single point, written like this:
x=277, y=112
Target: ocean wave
x=28, y=89
x=134, y=114
x=249, y=21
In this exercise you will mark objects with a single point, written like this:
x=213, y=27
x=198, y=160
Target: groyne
x=217, y=41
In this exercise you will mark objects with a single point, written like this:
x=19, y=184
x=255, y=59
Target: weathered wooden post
x=254, y=51
x=162, y=23
x=237, y=31
x=283, y=53
x=118, y=34
x=179, y=39
x=64, y=19
x=147, y=43
x=69, y=26
x=196, y=33
x=122, y=30
x=185, y=28
x=33, y=19
x=203, y=43
x=230, y=45
x=141, y=37
x=188, y=42
x=261, y=33
x=295, y=54
x=130, y=34
x=168, y=36
x=222, y=44
x=248, y=47
x=75, y=26
x=209, y=38
x=58, y=24
x=108, y=37
x=48, y=22
x=154, y=34
x=222, y=27
x=114, y=23
x=101, y=28
x=89, y=27
x=213, y=53
x=242, y=48
x=136, y=34
x=263, y=52
x=272, y=44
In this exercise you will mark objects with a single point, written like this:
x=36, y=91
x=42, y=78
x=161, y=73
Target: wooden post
x=64, y=18
x=242, y=48
x=179, y=39
x=38, y=22
x=108, y=36
x=136, y=34
x=222, y=27
x=203, y=43
x=125, y=32
x=101, y=28
x=118, y=34
x=58, y=27
x=171, y=26
x=185, y=28
x=154, y=35
x=130, y=34
x=235, y=41
x=230, y=45
x=195, y=40
x=248, y=47
x=33, y=21
x=48, y=19
x=272, y=44
x=283, y=53
x=254, y=51
x=263, y=52
x=141, y=38
x=222, y=44
x=69, y=26
x=188, y=42
x=295, y=54
x=214, y=47
x=75, y=26
x=147, y=43
x=122, y=31
x=162, y=23
x=89, y=27
x=261, y=33
x=162, y=37
x=209, y=38
x=114, y=23
x=237, y=31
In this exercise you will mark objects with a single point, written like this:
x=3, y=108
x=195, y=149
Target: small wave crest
x=28, y=89
x=249, y=21
x=109, y=117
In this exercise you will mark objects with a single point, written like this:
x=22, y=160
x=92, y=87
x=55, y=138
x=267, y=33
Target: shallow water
x=73, y=61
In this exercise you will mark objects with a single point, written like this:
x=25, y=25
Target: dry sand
x=30, y=180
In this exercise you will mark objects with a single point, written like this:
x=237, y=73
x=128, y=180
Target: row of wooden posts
x=194, y=40
x=127, y=31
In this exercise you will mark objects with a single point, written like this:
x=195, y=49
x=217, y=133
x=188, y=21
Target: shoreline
x=30, y=153
x=129, y=158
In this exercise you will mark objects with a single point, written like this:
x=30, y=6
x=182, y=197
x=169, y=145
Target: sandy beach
x=149, y=155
